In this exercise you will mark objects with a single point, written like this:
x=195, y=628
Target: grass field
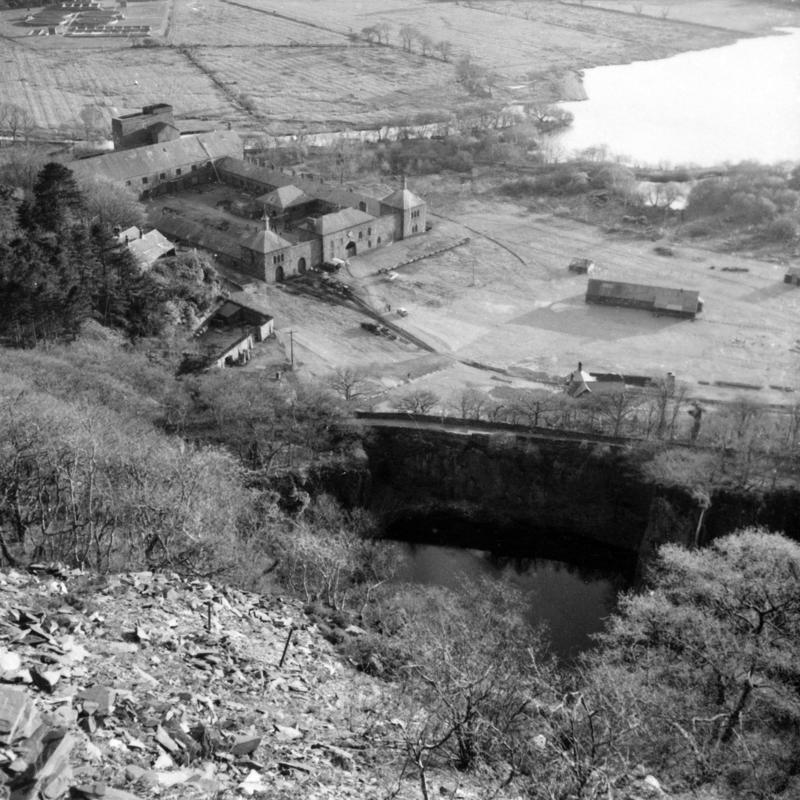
x=295, y=61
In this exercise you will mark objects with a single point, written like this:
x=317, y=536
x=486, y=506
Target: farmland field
x=55, y=89
x=329, y=87
x=211, y=22
x=279, y=65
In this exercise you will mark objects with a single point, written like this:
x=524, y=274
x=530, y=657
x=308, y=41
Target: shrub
x=783, y=229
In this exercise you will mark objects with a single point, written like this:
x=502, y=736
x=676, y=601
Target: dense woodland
x=110, y=461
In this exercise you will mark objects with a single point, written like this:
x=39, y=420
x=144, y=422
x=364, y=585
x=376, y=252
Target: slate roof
x=402, y=198
x=265, y=242
x=334, y=194
x=339, y=220
x=138, y=162
x=284, y=197
x=199, y=234
x=150, y=248
x=250, y=301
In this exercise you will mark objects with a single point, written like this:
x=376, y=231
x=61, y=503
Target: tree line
x=61, y=265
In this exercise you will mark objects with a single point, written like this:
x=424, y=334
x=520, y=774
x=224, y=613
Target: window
x=163, y=176
x=379, y=240
x=360, y=235
x=178, y=171
x=369, y=231
x=127, y=183
x=194, y=167
x=362, y=206
x=144, y=180
x=369, y=242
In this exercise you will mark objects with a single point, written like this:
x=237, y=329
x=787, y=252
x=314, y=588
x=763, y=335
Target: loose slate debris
x=118, y=688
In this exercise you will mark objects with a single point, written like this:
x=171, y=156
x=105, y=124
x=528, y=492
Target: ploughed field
x=277, y=65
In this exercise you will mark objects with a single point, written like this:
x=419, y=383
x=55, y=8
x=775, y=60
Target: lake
x=729, y=104
x=571, y=601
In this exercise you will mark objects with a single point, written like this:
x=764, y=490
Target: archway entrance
x=301, y=265
x=279, y=275
x=350, y=250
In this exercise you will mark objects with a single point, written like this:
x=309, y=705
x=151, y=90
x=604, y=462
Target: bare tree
x=420, y=401
x=445, y=49
x=383, y=32
x=408, y=33
x=426, y=44
x=18, y=121
x=351, y=383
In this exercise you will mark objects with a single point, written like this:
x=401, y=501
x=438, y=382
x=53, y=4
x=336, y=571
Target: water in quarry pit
x=571, y=601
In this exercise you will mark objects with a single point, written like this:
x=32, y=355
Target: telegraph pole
x=291, y=348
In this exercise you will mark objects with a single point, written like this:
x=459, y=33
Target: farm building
x=146, y=248
x=580, y=382
x=228, y=334
x=306, y=220
x=581, y=266
x=792, y=276
x=661, y=299
x=183, y=162
x=151, y=125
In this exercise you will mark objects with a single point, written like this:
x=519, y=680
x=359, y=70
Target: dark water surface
x=571, y=601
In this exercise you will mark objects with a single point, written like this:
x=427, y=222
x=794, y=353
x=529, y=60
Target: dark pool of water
x=571, y=601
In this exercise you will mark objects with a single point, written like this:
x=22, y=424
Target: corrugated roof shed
x=339, y=220
x=153, y=159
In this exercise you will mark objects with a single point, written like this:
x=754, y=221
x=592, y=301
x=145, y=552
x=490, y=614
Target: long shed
x=661, y=299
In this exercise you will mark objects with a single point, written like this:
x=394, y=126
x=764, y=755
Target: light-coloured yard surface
x=523, y=312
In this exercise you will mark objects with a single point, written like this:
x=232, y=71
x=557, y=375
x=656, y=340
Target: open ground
x=281, y=67
x=502, y=309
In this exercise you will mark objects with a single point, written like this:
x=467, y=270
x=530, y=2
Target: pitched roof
x=152, y=159
x=402, y=198
x=284, y=197
x=251, y=301
x=149, y=248
x=265, y=241
x=334, y=194
x=339, y=220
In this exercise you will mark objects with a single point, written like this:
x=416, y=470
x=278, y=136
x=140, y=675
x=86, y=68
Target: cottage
x=229, y=333
x=146, y=248
x=792, y=276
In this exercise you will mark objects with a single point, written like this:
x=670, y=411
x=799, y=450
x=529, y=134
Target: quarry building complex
x=287, y=223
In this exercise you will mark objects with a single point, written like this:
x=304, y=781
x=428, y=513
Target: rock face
x=529, y=490
x=563, y=498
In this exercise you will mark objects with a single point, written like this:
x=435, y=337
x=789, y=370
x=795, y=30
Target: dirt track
x=525, y=314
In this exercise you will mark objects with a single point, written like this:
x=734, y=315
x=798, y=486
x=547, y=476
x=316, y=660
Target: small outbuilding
x=660, y=299
x=581, y=266
x=792, y=276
